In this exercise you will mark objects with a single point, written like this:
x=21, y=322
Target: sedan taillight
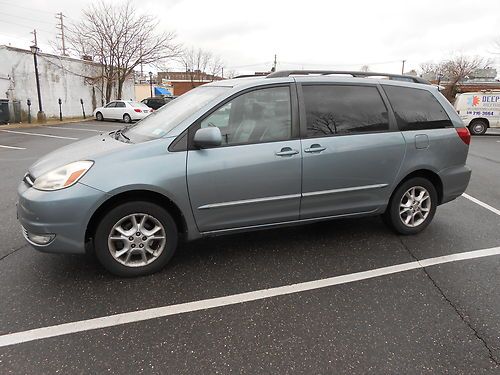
x=137, y=110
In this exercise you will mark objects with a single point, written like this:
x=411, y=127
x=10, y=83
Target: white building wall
x=60, y=77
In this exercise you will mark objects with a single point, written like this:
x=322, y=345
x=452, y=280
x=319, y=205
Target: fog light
x=38, y=239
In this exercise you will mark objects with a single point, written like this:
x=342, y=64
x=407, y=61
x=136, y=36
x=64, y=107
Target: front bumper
x=63, y=213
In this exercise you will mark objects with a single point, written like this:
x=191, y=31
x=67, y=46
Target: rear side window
x=416, y=109
x=337, y=109
x=120, y=105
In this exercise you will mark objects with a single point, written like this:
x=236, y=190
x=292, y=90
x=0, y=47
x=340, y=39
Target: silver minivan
x=246, y=154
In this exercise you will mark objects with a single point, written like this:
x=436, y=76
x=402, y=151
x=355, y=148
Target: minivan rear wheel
x=412, y=206
x=478, y=127
x=135, y=239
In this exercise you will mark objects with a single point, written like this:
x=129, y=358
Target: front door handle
x=315, y=148
x=286, y=151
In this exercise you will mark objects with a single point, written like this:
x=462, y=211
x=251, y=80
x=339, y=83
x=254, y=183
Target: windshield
x=159, y=123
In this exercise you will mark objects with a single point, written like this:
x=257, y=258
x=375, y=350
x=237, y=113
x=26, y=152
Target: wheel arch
x=432, y=176
x=480, y=119
x=136, y=195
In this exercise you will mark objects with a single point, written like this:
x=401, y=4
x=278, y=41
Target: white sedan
x=125, y=110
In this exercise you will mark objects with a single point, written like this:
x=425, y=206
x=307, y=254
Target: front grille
x=28, y=179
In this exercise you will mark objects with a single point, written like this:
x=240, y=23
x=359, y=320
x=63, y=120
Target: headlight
x=62, y=177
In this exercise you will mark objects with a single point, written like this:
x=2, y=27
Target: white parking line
x=39, y=135
x=13, y=147
x=158, y=312
x=482, y=204
x=82, y=129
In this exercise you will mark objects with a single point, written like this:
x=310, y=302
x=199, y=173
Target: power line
x=28, y=27
x=26, y=18
x=333, y=64
x=27, y=8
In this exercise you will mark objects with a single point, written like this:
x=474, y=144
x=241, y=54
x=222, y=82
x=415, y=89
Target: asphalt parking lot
x=346, y=296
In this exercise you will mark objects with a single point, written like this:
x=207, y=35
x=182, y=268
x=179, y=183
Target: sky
x=341, y=35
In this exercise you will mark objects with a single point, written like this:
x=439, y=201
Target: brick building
x=182, y=82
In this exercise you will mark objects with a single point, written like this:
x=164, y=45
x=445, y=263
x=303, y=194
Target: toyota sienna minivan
x=246, y=154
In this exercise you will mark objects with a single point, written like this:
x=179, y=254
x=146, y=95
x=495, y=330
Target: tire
x=478, y=127
x=99, y=117
x=422, y=212
x=127, y=119
x=120, y=251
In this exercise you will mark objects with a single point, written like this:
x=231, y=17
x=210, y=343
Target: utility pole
x=60, y=16
x=273, y=69
x=34, y=41
x=403, y=67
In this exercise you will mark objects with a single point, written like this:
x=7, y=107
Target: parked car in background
x=247, y=154
x=124, y=110
x=479, y=110
x=157, y=102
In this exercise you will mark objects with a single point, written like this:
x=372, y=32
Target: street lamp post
x=40, y=115
x=151, y=83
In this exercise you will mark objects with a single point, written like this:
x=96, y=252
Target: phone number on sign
x=481, y=113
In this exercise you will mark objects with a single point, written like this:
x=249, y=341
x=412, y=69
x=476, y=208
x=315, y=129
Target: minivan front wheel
x=135, y=239
x=412, y=206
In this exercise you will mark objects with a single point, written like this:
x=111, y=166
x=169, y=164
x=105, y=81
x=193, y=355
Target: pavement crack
x=12, y=252
x=462, y=317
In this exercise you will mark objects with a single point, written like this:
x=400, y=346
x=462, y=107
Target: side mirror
x=208, y=137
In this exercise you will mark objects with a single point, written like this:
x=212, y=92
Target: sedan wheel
x=126, y=118
x=99, y=116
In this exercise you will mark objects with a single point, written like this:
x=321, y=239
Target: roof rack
x=396, y=77
x=250, y=75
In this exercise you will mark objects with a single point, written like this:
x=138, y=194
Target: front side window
x=336, y=110
x=111, y=105
x=255, y=117
x=416, y=109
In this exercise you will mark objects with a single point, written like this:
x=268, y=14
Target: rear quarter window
x=416, y=109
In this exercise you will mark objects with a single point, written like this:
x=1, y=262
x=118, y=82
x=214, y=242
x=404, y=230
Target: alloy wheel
x=415, y=206
x=137, y=240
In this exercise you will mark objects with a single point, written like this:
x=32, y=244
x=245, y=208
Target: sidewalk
x=51, y=122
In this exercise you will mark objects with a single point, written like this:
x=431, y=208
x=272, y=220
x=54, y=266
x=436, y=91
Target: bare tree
x=459, y=68
x=121, y=39
x=216, y=67
x=454, y=71
x=231, y=74
x=201, y=64
x=365, y=68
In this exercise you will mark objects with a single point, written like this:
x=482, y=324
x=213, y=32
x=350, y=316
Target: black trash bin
x=4, y=111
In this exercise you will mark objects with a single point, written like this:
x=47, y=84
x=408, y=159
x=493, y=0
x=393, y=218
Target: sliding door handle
x=286, y=151
x=315, y=148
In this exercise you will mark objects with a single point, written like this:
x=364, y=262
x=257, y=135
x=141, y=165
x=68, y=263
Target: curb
x=25, y=125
